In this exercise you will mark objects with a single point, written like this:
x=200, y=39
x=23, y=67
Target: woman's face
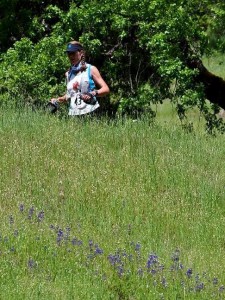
x=74, y=57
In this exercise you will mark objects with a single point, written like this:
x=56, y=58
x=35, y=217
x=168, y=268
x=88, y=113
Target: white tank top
x=81, y=83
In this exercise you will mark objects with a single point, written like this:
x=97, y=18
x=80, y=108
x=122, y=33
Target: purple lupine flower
x=59, y=236
x=31, y=263
x=120, y=270
x=90, y=256
x=111, y=259
x=176, y=261
x=124, y=254
x=114, y=259
x=74, y=241
x=30, y=213
x=197, y=277
x=77, y=242
x=40, y=216
x=137, y=247
x=91, y=244
x=11, y=220
x=176, y=255
x=181, y=266
x=199, y=287
x=66, y=237
x=21, y=207
x=98, y=250
x=189, y=273
x=152, y=260
x=161, y=267
x=130, y=257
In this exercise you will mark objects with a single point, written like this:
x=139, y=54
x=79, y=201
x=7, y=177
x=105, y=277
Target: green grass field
x=110, y=209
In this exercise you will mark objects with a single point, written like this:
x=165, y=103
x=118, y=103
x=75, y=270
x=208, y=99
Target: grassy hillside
x=109, y=210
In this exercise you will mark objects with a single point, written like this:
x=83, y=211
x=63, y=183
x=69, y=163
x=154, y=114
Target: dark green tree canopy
x=148, y=51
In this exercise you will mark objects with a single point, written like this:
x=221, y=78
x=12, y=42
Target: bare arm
x=102, y=87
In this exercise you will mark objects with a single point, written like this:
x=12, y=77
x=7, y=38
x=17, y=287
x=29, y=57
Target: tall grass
x=98, y=209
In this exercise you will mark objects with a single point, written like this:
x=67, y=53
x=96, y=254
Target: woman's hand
x=59, y=99
x=89, y=98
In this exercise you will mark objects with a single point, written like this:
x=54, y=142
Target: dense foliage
x=143, y=48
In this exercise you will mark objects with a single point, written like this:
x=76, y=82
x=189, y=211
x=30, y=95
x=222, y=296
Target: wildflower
x=197, y=278
x=130, y=257
x=189, y=273
x=11, y=220
x=91, y=244
x=199, y=287
x=114, y=259
x=215, y=281
x=181, y=266
x=161, y=267
x=176, y=261
x=137, y=247
x=79, y=243
x=98, y=250
x=30, y=213
x=59, y=236
x=31, y=263
x=120, y=270
x=176, y=255
x=21, y=207
x=74, y=241
x=40, y=216
x=152, y=260
x=67, y=233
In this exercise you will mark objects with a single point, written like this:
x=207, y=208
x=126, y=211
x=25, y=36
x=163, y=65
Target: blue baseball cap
x=73, y=48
